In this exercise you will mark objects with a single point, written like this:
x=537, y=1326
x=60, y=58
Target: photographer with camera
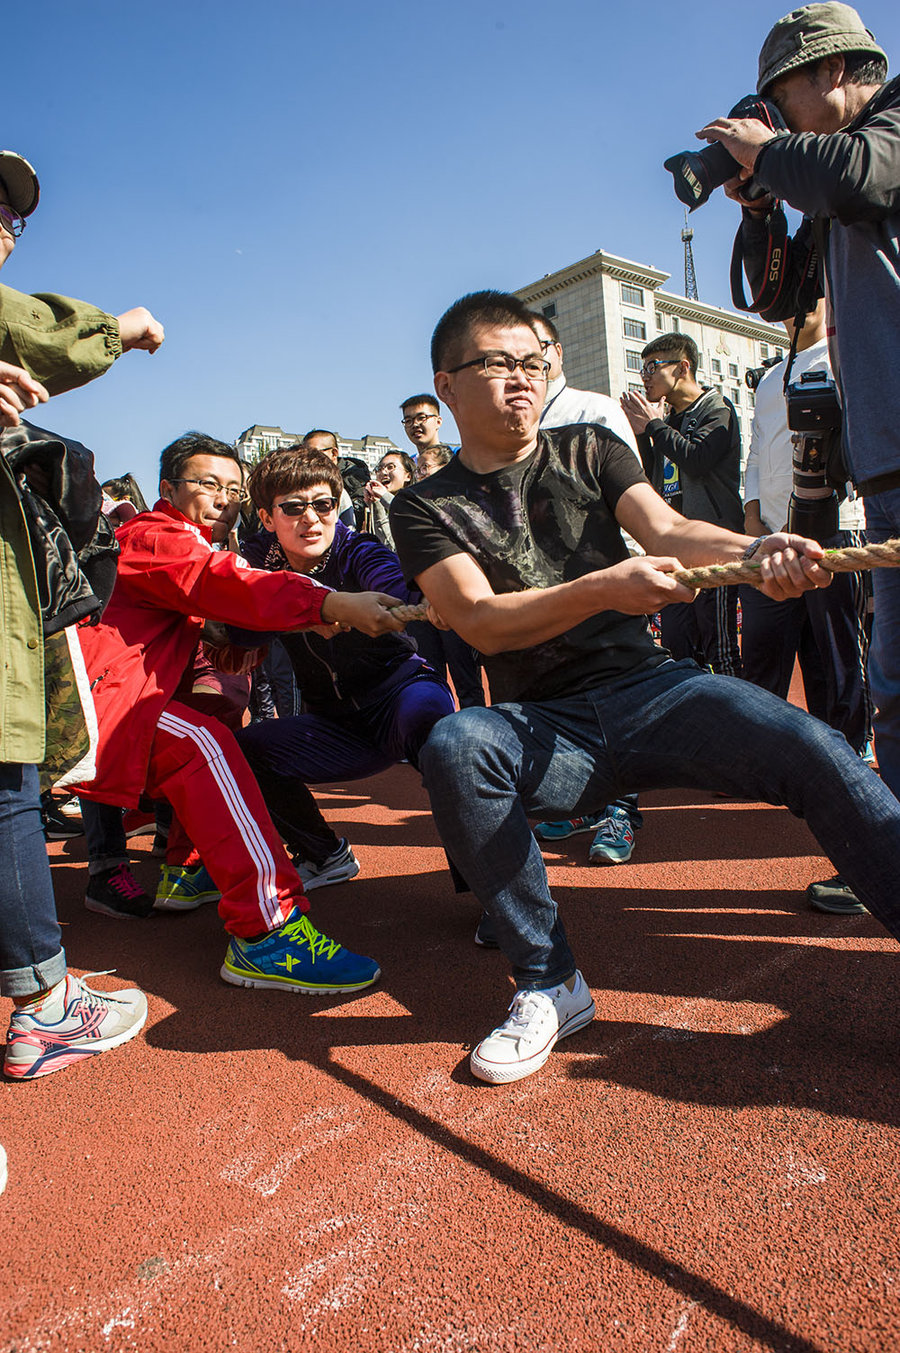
x=825, y=629
x=838, y=163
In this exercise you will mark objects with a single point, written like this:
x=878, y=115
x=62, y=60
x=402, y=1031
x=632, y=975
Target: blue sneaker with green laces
x=184, y=888
x=297, y=957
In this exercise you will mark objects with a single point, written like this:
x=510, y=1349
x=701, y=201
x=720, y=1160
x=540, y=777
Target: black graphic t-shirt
x=543, y=521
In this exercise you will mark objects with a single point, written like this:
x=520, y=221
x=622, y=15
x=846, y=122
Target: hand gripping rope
x=850, y=560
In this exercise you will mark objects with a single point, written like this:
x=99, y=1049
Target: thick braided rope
x=850, y=560
x=407, y=613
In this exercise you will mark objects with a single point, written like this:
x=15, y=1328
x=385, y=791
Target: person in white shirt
x=827, y=632
x=614, y=828
x=565, y=405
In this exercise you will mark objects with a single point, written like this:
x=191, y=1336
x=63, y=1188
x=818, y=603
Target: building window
x=632, y=295
x=635, y=328
x=716, y=366
x=779, y=353
x=764, y=350
x=633, y=361
x=751, y=399
x=732, y=370
x=549, y=311
x=635, y=389
x=735, y=394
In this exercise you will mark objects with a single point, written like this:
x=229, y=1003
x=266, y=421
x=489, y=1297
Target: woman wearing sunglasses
x=367, y=703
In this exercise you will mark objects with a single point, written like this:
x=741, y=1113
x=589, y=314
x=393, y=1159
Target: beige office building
x=257, y=441
x=606, y=308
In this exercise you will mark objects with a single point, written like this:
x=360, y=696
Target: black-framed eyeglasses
x=12, y=222
x=499, y=365
x=214, y=488
x=547, y=343
x=295, y=507
x=650, y=368
x=419, y=418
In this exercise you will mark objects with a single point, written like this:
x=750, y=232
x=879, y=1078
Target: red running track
x=711, y=1165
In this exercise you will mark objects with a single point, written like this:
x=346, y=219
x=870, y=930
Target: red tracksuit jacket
x=169, y=581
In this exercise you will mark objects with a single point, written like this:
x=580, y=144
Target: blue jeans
x=826, y=629
x=883, y=523
x=31, y=953
x=287, y=754
x=673, y=726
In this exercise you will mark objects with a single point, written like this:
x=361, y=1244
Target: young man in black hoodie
x=692, y=457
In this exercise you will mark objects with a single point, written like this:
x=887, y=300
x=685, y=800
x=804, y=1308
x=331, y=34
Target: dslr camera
x=698, y=172
x=814, y=416
x=754, y=374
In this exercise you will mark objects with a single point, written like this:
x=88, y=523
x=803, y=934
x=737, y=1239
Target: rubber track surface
x=711, y=1165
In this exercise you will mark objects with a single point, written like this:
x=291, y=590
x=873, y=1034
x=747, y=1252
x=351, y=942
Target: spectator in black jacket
x=692, y=457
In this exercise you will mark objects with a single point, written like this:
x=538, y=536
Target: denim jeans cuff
x=105, y=862
x=543, y=983
x=39, y=977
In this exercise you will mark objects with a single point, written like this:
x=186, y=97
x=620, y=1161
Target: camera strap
x=807, y=299
x=775, y=266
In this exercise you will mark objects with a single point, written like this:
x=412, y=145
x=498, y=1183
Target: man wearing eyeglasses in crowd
x=422, y=422
x=566, y=405
x=690, y=443
x=517, y=544
x=614, y=828
x=152, y=740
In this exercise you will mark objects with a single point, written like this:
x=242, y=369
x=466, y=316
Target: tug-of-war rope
x=850, y=560
x=407, y=613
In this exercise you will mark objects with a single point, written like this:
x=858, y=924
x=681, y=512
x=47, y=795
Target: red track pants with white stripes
x=197, y=765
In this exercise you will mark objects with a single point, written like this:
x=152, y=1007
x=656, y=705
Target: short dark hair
x=862, y=68
x=421, y=399
x=479, y=307
x=125, y=486
x=319, y=432
x=176, y=455
x=289, y=469
x=682, y=345
x=406, y=461
x=538, y=318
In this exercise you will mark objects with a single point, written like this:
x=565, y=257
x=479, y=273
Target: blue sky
x=298, y=191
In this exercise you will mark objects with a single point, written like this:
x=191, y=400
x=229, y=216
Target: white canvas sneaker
x=536, y=1022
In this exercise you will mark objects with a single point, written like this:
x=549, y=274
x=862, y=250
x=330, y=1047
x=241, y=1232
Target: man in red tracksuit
x=140, y=661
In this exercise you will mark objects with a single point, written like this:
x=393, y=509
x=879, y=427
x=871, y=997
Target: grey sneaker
x=340, y=866
x=834, y=896
x=537, y=1021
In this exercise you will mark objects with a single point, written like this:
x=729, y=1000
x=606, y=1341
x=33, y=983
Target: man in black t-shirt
x=516, y=544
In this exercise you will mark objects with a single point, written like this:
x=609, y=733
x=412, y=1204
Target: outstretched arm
x=18, y=392
x=788, y=562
